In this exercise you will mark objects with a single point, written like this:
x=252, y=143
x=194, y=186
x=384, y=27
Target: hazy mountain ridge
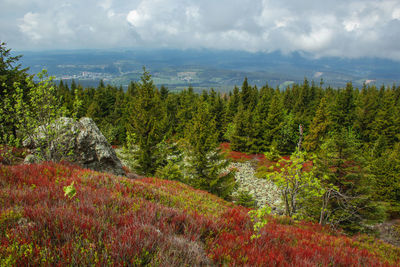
x=204, y=69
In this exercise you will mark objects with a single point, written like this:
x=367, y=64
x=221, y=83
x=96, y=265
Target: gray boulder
x=79, y=142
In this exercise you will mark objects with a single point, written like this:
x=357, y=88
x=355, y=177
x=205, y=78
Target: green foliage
x=288, y=135
x=273, y=153
x=148, y=123
x=319, y=128
x=70, y=190
x=274, y=120
x=171, y=163
x=245, y=199
x=341, y=164
x=386, y=168
x=109, y=131
x=259, y=219
x=243, y=136
x=343, y=110
x=33, y=112
x=11, y=74
x=206, y=164
x=295, y=183
x=77, y=104
x=128, y=151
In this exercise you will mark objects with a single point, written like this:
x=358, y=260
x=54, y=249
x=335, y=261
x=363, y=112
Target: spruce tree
x=343, y=110
x=185, y=110
x=385, y=123
x=319, y=128
x=386, y=168
x=367, y=107
x=246, y=94
x=341, y=164
x=233, y=104
x=147, y=123
x=207, y=166
x=10, y=75
x=242, y=138
x=274, y=121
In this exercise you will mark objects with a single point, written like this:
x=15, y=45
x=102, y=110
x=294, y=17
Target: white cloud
x=346, y=28
x=30, y=25
x=396, y=14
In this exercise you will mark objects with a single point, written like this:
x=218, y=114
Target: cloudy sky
x=345, y=28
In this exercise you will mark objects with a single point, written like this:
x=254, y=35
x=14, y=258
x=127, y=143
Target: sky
x=342, y=28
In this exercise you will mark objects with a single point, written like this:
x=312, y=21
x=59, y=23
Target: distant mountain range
x=204, y=69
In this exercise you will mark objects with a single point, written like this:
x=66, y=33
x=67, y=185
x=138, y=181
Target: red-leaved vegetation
x=261, y=160
x=117, y=221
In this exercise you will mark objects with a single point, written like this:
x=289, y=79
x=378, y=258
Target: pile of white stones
x=263, y=191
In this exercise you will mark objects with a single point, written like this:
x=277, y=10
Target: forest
x=336, y=151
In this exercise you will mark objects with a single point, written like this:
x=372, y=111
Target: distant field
x=204, y=69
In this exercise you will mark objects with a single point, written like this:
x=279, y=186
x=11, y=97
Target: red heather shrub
x=286, y=245
x=116, y=221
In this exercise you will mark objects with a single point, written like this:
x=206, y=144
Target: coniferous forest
x=334, y=152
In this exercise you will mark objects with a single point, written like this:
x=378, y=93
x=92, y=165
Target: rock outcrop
x=79, y=142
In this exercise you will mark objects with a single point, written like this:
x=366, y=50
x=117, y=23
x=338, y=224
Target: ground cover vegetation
x=58, y=214
x=333, y=153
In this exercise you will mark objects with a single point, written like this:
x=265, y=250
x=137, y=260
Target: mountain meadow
x=328, y=160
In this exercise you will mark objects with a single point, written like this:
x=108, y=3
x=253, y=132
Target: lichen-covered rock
x=263, y=191
x=29, y=159
x=79, y=142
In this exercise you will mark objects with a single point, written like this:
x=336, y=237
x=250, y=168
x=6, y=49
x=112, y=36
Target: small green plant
x=258, y=217
x=273, y=153
x=69, y=191
x=245, y=199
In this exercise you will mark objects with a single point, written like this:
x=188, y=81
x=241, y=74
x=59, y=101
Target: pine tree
x=147, y=123
x=207, y=165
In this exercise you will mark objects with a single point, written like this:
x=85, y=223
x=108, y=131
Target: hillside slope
x=116, y=221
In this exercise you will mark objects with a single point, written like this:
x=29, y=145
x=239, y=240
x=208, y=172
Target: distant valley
x=204, y=69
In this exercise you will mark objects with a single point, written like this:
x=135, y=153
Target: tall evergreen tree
x=274, y=121
x=147, y=123
x=186, y=110
x=386, y=168
x=246, y=94
x=343, y=111
x=367, y=107
x=341, y=163
x=11, y=74
x=233, y=104
x=242, y=138
x=385, y=123
x=207, y=165
x=319, y=127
